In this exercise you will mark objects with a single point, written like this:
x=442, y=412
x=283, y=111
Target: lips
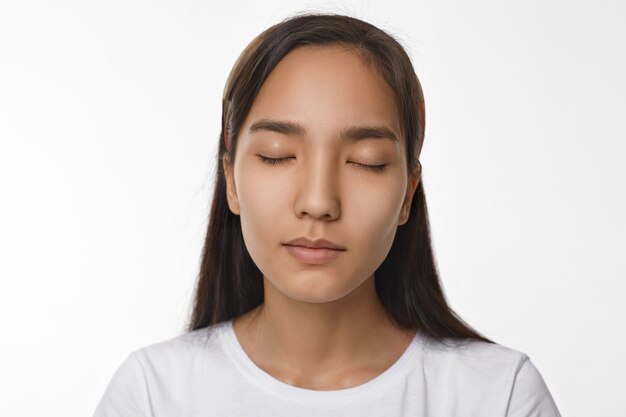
x=313, y=256
x=315, y=243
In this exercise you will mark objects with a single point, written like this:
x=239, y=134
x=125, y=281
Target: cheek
x=375, y=207
x=373, y=222
x=263, y=205
x=263, y=198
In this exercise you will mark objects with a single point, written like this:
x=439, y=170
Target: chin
x=313, y=287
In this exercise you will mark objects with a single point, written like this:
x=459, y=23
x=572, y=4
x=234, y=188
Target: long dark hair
x=407, y=282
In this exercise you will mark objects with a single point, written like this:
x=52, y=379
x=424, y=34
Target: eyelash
x=378, y=169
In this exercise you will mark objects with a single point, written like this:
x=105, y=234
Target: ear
x=231, y=190
x=413, y=182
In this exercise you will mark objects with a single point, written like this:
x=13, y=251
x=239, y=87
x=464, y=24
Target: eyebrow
x=350, y=133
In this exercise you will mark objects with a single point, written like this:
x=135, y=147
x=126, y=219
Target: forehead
x=326, y=88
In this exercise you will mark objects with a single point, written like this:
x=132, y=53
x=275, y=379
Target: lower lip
x=312, y=255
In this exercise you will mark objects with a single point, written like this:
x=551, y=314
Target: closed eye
x=274, y=161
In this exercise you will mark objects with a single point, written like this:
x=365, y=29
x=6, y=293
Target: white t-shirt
x=194, y=376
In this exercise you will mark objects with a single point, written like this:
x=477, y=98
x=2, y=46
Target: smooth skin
x=321, y=327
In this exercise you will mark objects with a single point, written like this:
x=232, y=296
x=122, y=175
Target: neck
x=298, y=340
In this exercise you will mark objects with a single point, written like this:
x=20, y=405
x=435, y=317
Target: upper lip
x=314, y=243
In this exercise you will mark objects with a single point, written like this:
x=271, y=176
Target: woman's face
x=321, y=190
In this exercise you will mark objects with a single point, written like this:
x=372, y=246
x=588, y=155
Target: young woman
x=318, y=292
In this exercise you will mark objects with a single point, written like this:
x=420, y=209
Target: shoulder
x=161, y=370
x=167, y=357
x=489, y=371
x=473, y=359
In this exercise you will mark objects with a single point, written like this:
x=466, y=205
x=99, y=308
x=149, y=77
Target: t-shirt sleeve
x=530, y=396
x=127, y=392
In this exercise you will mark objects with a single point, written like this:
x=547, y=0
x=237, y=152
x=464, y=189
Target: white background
x=109, y=124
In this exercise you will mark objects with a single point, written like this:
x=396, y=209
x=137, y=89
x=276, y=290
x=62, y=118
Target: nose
x=318, y=190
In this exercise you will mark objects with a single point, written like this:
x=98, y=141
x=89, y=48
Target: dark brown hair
x=407, y=282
